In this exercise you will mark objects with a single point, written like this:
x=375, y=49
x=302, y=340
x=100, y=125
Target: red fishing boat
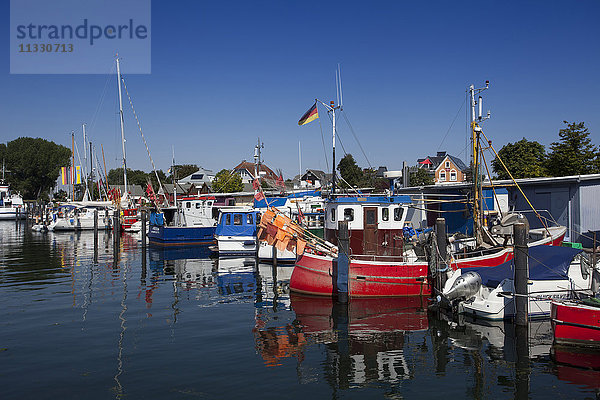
x=383, y=261
x=576, y=322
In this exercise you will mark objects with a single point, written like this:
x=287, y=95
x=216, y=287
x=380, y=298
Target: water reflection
x=114, y=316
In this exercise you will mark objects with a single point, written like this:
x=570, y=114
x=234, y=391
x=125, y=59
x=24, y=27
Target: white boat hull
x=10, y=213
x=237, y=245
x=265, y=252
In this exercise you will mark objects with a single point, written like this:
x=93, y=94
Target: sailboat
x=383, y=260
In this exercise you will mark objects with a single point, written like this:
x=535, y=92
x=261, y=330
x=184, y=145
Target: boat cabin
x=198, y=211
x=238, y=222
x=375, y=223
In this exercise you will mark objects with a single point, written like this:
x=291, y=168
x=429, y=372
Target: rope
x=452, y=124
x=356, y=138
x=142, y=133
x=515, y=182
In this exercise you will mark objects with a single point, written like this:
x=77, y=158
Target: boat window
x=198, y=205
x=188, y=204
x=348, y=214
x=453, y=175
x=237, y=219
x=227, y=219
x=249, y=219
x=398, y=213
x=333, y=215
x=209, y=203
x=371, y=217
x=385, y=214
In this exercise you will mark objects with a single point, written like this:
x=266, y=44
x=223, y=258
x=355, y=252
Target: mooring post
x=521, y=274
x=95, y=235
x=441, y=241
x=144, y=216
x=522, y=367
x=343, y=262
x=116, y=226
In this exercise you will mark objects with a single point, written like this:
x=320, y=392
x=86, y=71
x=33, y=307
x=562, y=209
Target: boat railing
x=373, y=257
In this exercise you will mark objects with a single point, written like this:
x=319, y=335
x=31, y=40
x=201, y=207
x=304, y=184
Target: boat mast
x=72, y=166
x=475, y=159
x=257, y=160
x=122, y=123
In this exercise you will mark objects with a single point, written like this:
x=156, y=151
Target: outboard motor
x=504, y=227
x=464, y=286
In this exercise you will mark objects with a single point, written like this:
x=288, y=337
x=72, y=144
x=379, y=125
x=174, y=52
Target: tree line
x=32, y=165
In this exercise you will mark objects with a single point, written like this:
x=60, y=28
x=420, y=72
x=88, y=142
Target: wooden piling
x=343, y=263
x=521, y=277
x=441, y=242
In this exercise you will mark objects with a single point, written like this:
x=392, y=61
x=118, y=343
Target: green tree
x=181, y=171
x=524, y=159
x=420, y=177
x=227, y=181
x=350, y=171
x=574, y=153
x=33, y=165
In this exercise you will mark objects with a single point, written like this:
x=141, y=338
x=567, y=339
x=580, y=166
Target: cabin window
x=398, y=213
x=442, y=175
x=198, y=205
x=447, y=164
x=385, y=214
x=371, y=217
x=249, y=219
x=209, y=203
x=333, y=215
x=237, y=219
x=453, y=175
x=348, y=214
x=188, y=204
x=227, y=219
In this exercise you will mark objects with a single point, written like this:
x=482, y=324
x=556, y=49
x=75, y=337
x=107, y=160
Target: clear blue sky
x=224, y=73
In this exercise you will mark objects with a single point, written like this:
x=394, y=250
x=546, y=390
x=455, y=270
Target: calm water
x=108, y=324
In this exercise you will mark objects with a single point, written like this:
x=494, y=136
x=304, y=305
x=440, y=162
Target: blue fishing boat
x=191, y=223
x=236, y=232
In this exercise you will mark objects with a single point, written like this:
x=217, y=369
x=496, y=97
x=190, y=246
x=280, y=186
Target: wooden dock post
x=521, y=274
x=143, y=232
x=442, y=253
x=95, y=235
x=343, y=263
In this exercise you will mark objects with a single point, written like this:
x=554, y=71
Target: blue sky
x=225, y=73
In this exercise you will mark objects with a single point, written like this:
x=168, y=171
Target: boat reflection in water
x=236, y=275
x=578, y=365
x=364, y=340
x=191, y=266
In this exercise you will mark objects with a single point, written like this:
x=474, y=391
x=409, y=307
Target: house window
x=348, y=214
x=237, y=219
x=442, y=176
x=385, y=214
x=453, y=175
x=398, y=211
x=447, y=164
x=333, y=215
x=227, y=219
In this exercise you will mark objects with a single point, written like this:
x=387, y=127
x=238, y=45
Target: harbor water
x=114, y=321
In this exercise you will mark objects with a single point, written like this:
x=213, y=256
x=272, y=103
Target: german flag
x=309, y=116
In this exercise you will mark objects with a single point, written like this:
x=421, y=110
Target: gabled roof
x=456, y=161
x=249, y=167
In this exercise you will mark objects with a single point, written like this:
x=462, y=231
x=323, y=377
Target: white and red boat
x=576, y=322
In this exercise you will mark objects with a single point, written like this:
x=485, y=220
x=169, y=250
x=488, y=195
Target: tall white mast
x=122, y=123
x=300, y=158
